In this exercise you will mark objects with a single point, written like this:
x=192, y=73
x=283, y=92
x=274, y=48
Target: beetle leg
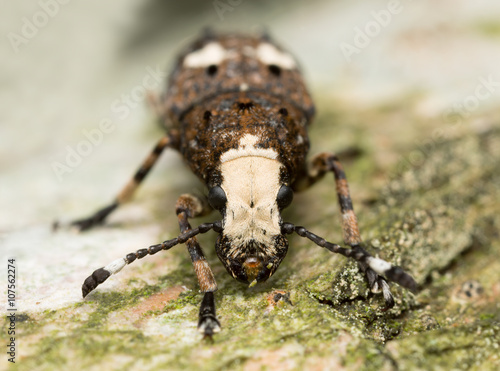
x=320, y=165
x=129, y=189
x=190, y=206
x=102, y=274
x=208, y=324
x=378, y=266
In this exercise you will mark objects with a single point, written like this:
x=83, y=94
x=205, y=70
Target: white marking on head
x=244, y=86
x=212, y=53
x=269, y=54
x=251, y=180
x=247, y=148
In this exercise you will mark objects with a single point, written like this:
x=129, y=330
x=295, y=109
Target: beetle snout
x=252, y=266
x=251, y=263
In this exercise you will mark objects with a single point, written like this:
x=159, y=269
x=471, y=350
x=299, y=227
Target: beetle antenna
x=102, y=274
x=380, y=266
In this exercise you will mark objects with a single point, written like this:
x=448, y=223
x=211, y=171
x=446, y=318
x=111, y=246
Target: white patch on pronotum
x=269, y=54
x=212, y=53
x=378, y=265
x=251, y=181
x=115, y=266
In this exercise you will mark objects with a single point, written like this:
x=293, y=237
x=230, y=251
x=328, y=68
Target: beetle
x=237, y=110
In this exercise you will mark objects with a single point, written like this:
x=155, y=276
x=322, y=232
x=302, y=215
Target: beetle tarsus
x=208, y=324
x=96, y=219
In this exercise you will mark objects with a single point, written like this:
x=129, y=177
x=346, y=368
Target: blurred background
x=75, y=124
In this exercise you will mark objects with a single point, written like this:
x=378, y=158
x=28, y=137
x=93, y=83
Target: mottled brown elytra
x=237, y=110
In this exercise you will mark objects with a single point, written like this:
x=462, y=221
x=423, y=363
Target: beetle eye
x=285, y=197
x=217, y=198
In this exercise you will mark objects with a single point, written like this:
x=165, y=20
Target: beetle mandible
x=237, y=110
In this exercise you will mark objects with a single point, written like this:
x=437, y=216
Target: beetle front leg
x=208, y=324
x=102, y=274
x=319, y=166
x=190, y=206
x=126, y=193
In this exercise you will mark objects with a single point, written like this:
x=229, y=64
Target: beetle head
x=250, y=199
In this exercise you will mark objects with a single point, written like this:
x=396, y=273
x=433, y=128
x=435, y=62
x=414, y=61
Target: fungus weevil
x=237, y=110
